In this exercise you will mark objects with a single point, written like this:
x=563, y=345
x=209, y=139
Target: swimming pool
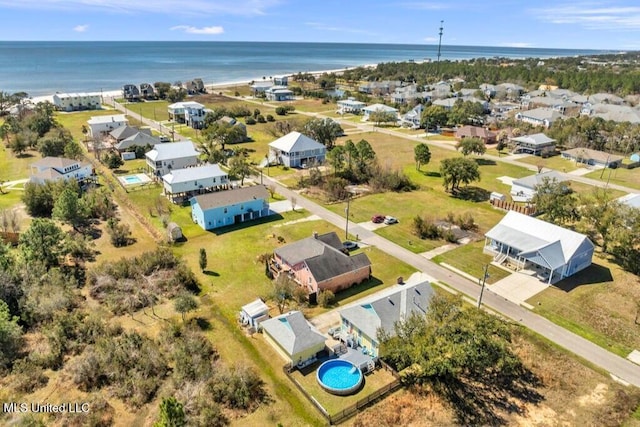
x=339, y=377
x=132, y=179
x=139, y=178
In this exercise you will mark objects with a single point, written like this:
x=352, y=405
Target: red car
x=377, y=219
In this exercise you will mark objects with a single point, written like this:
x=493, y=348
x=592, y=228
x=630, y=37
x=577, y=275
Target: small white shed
x=497, y=196
x=253, y=313
x=174, y=232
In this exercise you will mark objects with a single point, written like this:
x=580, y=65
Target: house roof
x=534, y=139
x=255, y=308
x=532, y=181
x=323, y=256
x=177, y=176
x=631, y=199
x=295, y=141
x=537, y=238
x=186, y=104
x=589, y=154
x=107, y=119
x=55, y=163
x=380, y=107
x=541, y=114
x=292, y=332
x=231, y=197
x=141, y=139
x=172, y=150
x=125, y=131
x=474, y=131
x=384, y=312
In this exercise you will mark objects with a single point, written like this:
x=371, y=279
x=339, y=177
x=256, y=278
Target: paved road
x=151, y=123
x=616, y=365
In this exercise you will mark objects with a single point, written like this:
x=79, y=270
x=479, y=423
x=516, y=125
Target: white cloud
x=195, y=30
x=325, y=27
x=593, y=16
x=169, y=7
x=81, y=28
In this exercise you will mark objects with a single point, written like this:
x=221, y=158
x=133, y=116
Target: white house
x=76, y=101
x=533, y=144
x=166, y=157
x=297, y=150
x=527, y=243
x=413, y=117
x=350, y=105
x=279, y=93
x=59, y=169
x=198, y=179
x=253, y=313
x=191, y=113
x=102, y=125
x=539, y=116
x=294, y=339
x=377, y=108
x=523, y=189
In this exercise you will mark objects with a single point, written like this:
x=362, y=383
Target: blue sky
x=550, y=24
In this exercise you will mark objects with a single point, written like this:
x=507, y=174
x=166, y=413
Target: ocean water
x=43, y=68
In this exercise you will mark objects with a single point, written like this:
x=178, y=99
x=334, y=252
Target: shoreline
x=112, y=93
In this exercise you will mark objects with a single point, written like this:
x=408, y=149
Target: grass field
x=555, y=162
x=154, y=110
x=13, y=167
x=470, y=259
x=625, y=177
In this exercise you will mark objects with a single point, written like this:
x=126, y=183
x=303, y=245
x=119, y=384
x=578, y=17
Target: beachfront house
x=540, y=248
x=100, y=126
x=175, y=155
x=535, y=144
x=281, y=80
x=253, y=313
x=182, y=183
x=319, y=263
x=130, y=92
x=296, y=150
x=190, y=113
x=194, y=86
x=222, y=208
x=591, y=157
x=76, y=101
x=350, y=105
x=377, y=108
x=294, y=338
x=258, y=88
x=279, y=93
x=523, y=189
x=147, y=91
x=60, y=169
x=360, y=323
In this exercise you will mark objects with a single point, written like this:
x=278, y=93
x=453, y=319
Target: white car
x=390, y=220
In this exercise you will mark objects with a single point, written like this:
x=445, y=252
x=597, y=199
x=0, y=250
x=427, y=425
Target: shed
x=174, y=231
x=497, y=196
x=128, y=155
x=253, y=313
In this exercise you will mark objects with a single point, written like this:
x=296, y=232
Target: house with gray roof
x=413, y=118
x=180, y=183
x=533, y=144
x=320, y=263
x=138, y=139
x=350, y=105
x=523, y=189
x=361, y=323
x=377, y=108
x=279, y=93
x=125, y=131
x=175, y=155
x=526, y=243
x=190, y=113
x=539, y=116
x=60, y=169
x=229, y=207
x=100, y=126
x=293, y=337
x=296, y=150
x=592, y=157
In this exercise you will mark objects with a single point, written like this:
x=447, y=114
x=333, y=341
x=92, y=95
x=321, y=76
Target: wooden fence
x=512, y=206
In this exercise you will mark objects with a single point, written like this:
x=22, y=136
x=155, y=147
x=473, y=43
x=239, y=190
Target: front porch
x=509, y=257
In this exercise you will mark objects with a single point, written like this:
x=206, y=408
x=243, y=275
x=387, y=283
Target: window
x=225, y=210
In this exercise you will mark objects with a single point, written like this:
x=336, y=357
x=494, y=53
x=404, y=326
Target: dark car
x=349, y=245
x=377, y=219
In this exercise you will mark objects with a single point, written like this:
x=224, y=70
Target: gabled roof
x=541, y=114
x=255, y=308
x=383, y=313
x=590, y=154
x=474, y=131
x=107, y=119
x=534, y=139
x=380, y=107
x=172, y=150
x=532, y=181
x=186, y=104
x=295, y=141
x=141, y=139
x=292, y=332
x=323, y=256
x=55, y=162
x=231, y=197
x=534, y=237
x=125, y=131
x=177, y=176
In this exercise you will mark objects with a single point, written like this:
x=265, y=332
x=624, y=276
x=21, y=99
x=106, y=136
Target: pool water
x=339, y=376
x=132, y=179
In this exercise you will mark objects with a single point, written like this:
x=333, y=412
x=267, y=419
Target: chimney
x=315, y=234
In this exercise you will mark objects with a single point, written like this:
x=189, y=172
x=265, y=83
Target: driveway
x=519, y=287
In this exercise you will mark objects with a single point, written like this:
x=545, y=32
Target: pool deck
x=142, y=179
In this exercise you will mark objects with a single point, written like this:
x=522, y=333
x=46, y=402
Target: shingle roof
x=55, y=162
x=532, y=181
x=140, y=139
x=172, y=150
x=383, y=313
x=125, y=131
x=541, y=114
x=292, y=332
x=474, y=131
x=231, y=197
x=589, y=154
x=193, y=174
x=534, y=139
x=107, y=119
x=295, y=141
x=323, y=256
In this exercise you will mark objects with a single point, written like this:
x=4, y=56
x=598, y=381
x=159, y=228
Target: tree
x=19, y=144
x=223, y=133
x=176, y=95
x=184, y=303
x=43, y=119
x=471, y=146
x=113, y=161
x=421, y=154
x=556, y=200
x=501, y=146
x=202, y=261
x=10, y=336
x=365, y=157
x=601, y=216
x=171, y=413
x=283, y=290
x=73, y=150
x=337, y=158
x=162, y=88
x=325, y=131
x=434, y=116
x=69, y=209
x=380, y=116
x=42, y=242
x=458, y=170
x=239, y=168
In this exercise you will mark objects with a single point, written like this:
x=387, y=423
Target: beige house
x=293, y=338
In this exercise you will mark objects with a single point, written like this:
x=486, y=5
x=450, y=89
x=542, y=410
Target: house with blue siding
x=229, y=207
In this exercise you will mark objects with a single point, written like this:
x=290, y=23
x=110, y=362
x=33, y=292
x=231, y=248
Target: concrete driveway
x=519, y=287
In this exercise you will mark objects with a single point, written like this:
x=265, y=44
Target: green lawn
x=74, y=121
x=555, y=162
x=13, y=167
x=470, y=259
x=154, y=110
x=626, y=177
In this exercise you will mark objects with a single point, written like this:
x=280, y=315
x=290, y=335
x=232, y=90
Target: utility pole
x=346, y=210
x=484, y=281
x=439, y=46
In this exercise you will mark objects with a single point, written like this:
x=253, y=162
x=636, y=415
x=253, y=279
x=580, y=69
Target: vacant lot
x=470, y=259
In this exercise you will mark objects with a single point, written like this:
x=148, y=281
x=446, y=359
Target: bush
x=29, y=376
x=250, y=121
x=326, y=298
x=119, y=234
x=113, y=161
x=425, y=228
x=270, y=118
x=238, y=388
x=466, y=222
x=336, y=188
x=261, y=119
x=281, y=111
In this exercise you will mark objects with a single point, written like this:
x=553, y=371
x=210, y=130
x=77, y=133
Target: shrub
x=270, y=118
x=326, y=298
x=250, y=121
x=29, y=376
x=281, y=111
x=336, y=188
x=466, y=222
x=113, y=161
x=119, y=234
x=425, y=228
x=238, y=388
x=261, y=119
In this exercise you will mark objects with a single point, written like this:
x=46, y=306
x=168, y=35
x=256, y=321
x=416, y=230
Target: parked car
x=349, y=245
x=377, y=219
x=390, y=220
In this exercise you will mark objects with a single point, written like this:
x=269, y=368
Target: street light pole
x=484, y=280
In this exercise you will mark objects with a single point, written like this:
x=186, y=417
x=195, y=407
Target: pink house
x=319, y=263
